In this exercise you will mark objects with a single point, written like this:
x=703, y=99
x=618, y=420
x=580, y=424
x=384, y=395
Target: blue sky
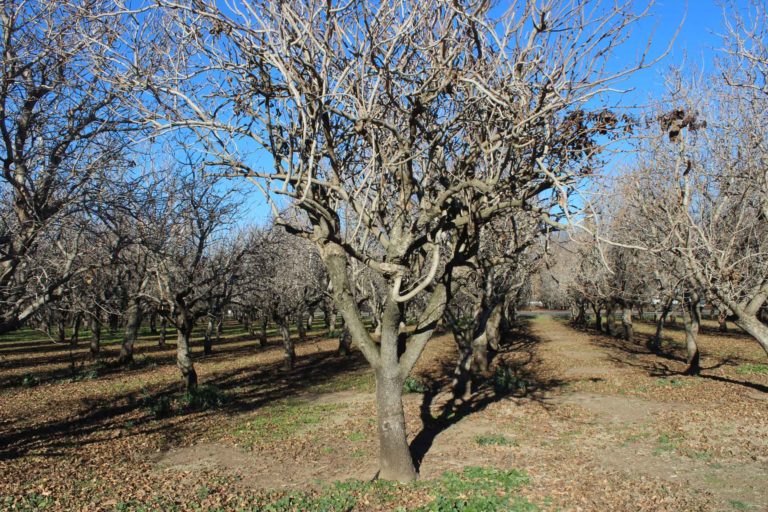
x=698, y=24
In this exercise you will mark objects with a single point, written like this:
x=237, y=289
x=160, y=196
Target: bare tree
x=62, y=128
x=425, y=119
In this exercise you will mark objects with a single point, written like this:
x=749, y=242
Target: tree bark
x=655, y=342
x=132, y=323
x=722, y=321
x=626, y=322
x=692, y=320
x=163, y=332
x=610, y=320
x=61, y=330
x=289, y=358
x=208, y=339
x=301, y=327
x=395, y=461
x=95, y=343
x=598, y=318
x=263, y=332
x=153, y=322
x=756, y=329
x=183, y=355
x=345, y=343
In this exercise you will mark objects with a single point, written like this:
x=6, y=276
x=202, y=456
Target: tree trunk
x=61, y=330
x=132, y=323
x=598, y=318
x=345, y=343
x=395, y=461
x=722, y=321
x=114, y=323
x=310, y=320
x=183, y=355
x=301, y=327
x=581, y=315
x=208, y=339
x=692, y=320
x=153, y=323
x=756, y=329
x=655, y=342
x=163, y=332
x=263, y=332
x=610, y=320
x=95, y=344
x=289, y=359
x=77, y=322
x=626, y=322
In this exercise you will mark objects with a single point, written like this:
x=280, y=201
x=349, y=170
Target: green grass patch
x=752, y=369
x=739, y=505
x=675, y=383
x=495, y=440
x=359, y=381
x=667, y=443
x=282, y=420
x=356, y=437
x=478, y=489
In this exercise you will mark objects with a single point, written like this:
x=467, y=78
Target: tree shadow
x=247, y=389
x=667, y=361
x=517, y=358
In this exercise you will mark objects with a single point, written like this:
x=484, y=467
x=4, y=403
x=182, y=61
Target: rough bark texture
x=598, y=318
x=95, y=344
x=692, y=320
x=610, y=320
x=263, y=332
x=208, y=339
x=289, y=353
x=756, y=329
x=626, y=322
x=722, y=321
x=183, y=356
x=132, y=324
x=395, y=462
x=163, y=332
x=345, y=343
x=655, y=342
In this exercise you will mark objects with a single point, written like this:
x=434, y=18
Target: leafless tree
x=425, y=119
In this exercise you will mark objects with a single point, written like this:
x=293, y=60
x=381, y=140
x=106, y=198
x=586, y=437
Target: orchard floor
x=569, y=420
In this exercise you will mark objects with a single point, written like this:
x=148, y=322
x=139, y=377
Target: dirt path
x=655, y=427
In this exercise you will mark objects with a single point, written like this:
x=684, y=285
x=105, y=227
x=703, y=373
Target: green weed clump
x=202, y=398
x=753, y=369
x=506, y=380
x=494, y=440
x=414, y=385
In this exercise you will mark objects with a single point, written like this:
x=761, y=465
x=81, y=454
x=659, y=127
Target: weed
x=750, y=368
x=739, y=505
x=29, y=380
x=413, y=385
x=667, y=443
x=282, y=420
x=356, y=436
x=494, y=440
x=478, y=489
x=203, y=398
x=506, y=380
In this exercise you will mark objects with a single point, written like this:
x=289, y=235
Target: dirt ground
x=590, y=422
